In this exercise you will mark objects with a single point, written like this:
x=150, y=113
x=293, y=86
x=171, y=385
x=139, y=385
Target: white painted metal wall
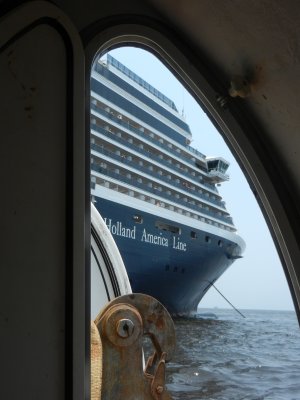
x=42, y=279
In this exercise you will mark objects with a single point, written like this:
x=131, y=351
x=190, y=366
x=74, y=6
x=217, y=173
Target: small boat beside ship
x=157, y=195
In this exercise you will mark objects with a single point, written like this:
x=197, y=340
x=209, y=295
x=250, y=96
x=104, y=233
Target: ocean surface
x=227, y=357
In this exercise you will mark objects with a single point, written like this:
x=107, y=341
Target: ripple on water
x=230, y=358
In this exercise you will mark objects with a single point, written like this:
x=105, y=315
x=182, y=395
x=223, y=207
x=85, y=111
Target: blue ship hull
x=177, y=268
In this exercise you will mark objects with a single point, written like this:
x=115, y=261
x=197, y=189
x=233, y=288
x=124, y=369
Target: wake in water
x=226, y=357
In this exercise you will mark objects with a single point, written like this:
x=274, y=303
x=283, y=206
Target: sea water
x=226, y=357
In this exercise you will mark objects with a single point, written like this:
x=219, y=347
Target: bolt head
x=125, y=328
x=159, y=389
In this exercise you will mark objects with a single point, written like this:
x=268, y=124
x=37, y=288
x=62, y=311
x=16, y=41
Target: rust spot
x=151, y=318
x=251, y=79
x=160, y=323
x=257, y=78
x=158, y=320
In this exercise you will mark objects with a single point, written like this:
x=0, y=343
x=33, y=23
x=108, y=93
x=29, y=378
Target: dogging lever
x=122, y=325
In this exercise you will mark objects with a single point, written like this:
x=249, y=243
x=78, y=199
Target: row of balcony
x=148, y=138
x=122, y=189
x=163, y=194
x=150, y=155
x=148, y=171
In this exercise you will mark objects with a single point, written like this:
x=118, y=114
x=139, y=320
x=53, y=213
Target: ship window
x=138, y=219
x=207, y=182
x=166, y=227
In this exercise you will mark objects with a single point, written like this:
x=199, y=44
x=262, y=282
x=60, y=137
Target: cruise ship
x=157, y=195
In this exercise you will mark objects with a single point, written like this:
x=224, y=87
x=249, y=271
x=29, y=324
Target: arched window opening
x=156, y=154
x=141, y=118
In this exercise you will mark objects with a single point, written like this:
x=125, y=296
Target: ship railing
x=151, y=155
x=99, y=68
x=127, y=125
x=131, y=128
x=195, y=151
x=139, y=80
x=171, y=182
x=218, y=175
x=133, y=182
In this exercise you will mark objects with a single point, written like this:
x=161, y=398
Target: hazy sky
x=257, y=280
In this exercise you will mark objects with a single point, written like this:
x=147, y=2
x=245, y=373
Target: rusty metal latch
x=122, y=325
x=157, y=380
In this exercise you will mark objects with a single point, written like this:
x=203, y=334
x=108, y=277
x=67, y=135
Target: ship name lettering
x=154, y=239
x=118, y=229
x=178, y=245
